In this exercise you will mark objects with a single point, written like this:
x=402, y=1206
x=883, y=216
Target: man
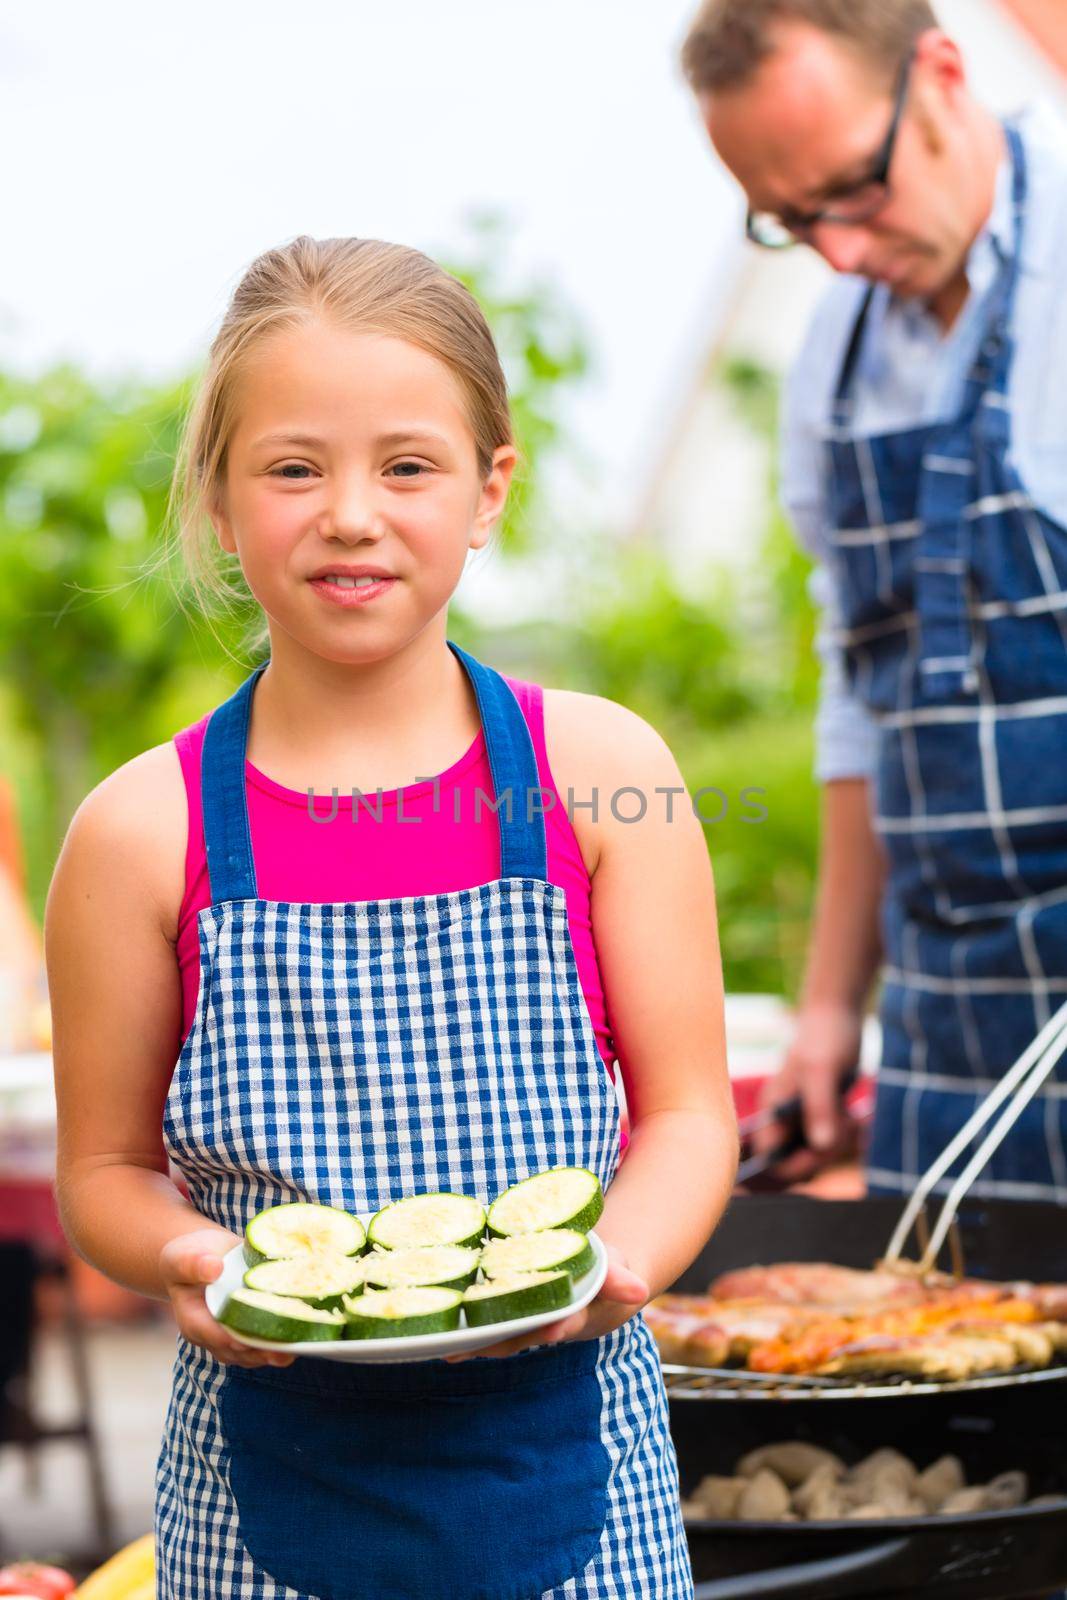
x=925, y=466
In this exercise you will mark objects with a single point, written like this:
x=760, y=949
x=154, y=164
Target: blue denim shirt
x=910, y=372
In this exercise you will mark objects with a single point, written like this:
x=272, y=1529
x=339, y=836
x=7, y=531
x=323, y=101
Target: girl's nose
x=354, y=513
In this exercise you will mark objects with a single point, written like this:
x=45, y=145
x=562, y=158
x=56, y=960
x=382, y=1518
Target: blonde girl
x=348, y=1002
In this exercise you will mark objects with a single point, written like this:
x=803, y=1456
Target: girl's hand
x=186, y=1264
x=623, y=1293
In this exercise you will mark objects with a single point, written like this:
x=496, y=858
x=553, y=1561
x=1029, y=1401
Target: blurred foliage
x=785, y=566
x=101, y=656
x=728, y=674
x=92, y=657
x=658, y=651
x=764, y=871
x=542, y=351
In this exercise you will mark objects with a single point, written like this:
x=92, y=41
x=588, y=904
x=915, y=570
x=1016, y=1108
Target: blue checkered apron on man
x=953, y=587
x=350, y=1054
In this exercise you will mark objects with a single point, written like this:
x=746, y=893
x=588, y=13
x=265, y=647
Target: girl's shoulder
x=130, y=833
x=597, y=748
x=599, y=739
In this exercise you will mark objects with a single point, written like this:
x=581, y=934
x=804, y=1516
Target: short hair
x=728, y=39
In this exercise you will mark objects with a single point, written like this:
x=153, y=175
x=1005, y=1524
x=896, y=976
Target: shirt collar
x=998, y=230
x=1044, y=135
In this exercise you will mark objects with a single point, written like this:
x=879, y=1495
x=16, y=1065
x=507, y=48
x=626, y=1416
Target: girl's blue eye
x=291, y=466
x=408, y=469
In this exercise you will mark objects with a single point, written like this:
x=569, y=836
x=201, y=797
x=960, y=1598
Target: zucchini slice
x=553, y=1250
x=562, y=1197
x=319, y=1280
x=425, y=1219
x=520, y=1294
x=301, y=1229
x=400, y=1313
x=277, y=1316
x=445, y=1266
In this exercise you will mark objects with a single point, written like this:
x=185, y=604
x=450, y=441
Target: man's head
x=798, y=97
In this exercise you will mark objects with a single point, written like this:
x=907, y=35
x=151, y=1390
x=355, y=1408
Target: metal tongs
x=1021, y=1082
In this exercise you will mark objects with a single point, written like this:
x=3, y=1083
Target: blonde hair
x=361, y=285
x=728, y=39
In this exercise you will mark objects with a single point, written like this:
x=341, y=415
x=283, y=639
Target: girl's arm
x=113, y=981
x=654, y=925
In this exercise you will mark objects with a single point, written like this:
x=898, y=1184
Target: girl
x=365, y=1008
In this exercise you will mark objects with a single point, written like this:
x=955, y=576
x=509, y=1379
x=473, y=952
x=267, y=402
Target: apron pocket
x=423, y=1481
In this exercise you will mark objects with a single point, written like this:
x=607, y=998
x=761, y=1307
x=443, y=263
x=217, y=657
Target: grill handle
x=831, y=1579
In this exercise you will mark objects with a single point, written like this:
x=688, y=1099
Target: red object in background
x=11, y=857
x=28, y=1211
x=746, y=1095
x=747, y=1092
x=845, y=1179
x=30, y=1578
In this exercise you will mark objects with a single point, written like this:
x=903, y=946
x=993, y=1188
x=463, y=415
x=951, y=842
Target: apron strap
x=951, y=482
x=513, y=764
x=227, y=839
x=841, y=406
x=990, y=371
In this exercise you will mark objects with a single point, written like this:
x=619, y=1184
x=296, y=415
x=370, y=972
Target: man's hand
x=825, y=1046
x=187, y=1264
x=623, y=1293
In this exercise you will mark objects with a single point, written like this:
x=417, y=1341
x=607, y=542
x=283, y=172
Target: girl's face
x=353, y=459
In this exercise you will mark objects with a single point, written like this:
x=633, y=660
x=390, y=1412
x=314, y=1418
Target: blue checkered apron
x=349, y=1054
x=954, y=591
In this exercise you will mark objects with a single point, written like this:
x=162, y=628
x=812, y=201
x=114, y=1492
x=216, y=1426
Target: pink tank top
x=298, y=859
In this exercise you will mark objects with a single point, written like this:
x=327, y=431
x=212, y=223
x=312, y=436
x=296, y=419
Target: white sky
x=151, y=152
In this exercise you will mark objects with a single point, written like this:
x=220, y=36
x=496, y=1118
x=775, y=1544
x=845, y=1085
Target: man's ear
x=941, y=75
x=493, y=498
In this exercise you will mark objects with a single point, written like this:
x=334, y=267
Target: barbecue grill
x=994, y=1423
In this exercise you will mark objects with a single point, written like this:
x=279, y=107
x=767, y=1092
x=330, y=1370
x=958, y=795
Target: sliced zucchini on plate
x=445, y=1266
x=276, y=1316
x=553, y=1250
x=319, y=1280
x=561, y=1197
x=520, y=1294
x=400, y=1313
x=302, y=1229
x=425, y=1219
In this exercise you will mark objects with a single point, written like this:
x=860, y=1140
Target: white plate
x=417, y=1347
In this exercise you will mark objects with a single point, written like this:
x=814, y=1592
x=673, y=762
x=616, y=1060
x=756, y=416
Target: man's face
x=809, y=126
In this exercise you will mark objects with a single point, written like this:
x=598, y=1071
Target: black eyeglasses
x=854, y=205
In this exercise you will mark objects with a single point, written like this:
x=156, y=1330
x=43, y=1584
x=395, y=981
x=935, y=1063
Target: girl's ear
x=221, y=523
x=494, y=495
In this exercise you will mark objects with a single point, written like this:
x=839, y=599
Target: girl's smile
x=352, y=586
